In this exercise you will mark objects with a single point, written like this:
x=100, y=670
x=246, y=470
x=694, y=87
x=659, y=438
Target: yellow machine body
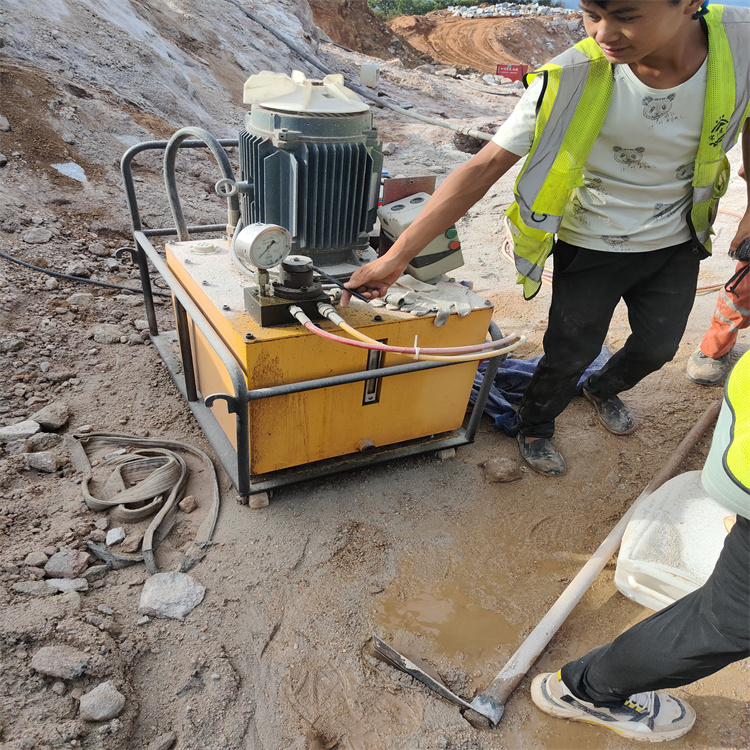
x=300, y=428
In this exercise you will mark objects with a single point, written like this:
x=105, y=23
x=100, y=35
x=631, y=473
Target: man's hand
x=373, y=280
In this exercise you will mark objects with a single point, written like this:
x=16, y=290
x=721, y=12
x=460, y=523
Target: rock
x=43, y=441
x=37, y=236
x=36, y=573
x=12, y=345
x=63, y=662
x=67, y=563
x=102, y=523
x=47, y=461
x=389, y=149
x=53, y=416
x=4, y=125
x=172, y=595
x=103, y=703
x=131, y=543
x=105, y=333
x=450, y=72
x=19, y=431
x=187, y=504
x=95, y=573
x=32, y=588
x=163, y=742
x=36, y=559
x=98, y=535
x=96, y=248
x=76, y=268
x=3, y=160
x=115, y=536
x=145, y=620
x=64, y=585
x=81, y=299
x=502, y=470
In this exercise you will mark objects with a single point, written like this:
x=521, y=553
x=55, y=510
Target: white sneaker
x=655, y=716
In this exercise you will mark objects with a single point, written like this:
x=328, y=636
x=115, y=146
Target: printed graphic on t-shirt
x=616, y=243
x=662, y=210
x=595, y=188
x=579, y=210
x=685, y=171
x=658, y=109
x=631, y=157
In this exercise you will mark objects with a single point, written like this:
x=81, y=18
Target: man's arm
x=455, y=196
x=743, y=229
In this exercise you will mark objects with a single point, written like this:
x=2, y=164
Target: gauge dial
x=262, y=245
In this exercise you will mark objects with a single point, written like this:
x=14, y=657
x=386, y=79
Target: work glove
x=418, y=298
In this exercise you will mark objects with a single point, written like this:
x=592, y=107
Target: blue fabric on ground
x=512, y=379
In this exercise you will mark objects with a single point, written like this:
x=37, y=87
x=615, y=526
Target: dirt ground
x=427, y=554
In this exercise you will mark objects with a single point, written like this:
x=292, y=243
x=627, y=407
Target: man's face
x=630, y=30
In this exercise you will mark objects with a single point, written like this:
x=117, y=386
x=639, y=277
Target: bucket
x=671, y=544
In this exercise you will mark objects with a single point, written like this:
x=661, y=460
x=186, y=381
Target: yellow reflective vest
x=577, y=90
x=726, y=473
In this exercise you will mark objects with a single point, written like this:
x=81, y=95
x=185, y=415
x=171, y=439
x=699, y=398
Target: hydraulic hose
x=362, y=92
x=304, y=320
x=327, y=311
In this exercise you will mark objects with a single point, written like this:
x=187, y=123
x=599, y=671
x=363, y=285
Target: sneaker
x=706, y=370
x=612, y=413
x=655, y=716
x=542, y=456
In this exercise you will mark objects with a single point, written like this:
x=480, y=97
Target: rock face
x=352, y=24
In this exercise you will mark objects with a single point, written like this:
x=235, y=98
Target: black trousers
x=658, y=288
x=690, y=639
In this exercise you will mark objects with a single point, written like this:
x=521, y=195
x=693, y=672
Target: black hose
x=58, y=275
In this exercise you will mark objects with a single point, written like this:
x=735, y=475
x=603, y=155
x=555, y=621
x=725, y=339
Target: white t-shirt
x=637, y=179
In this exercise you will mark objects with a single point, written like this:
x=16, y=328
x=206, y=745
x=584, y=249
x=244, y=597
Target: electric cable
x=304, y=320
x=67, y=276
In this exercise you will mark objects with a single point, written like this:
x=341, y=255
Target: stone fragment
x=4, y=124
x=32, y=588
x=106, y=333
x=47, y=461
x=389, y=149
x=81, y=299
x=3, y=160
x=502, y=470
x=67, y=563
x=102, y=523
x=37, y=236
x=98, y=249
x=76, y=268
x=98, y=535
x=95, y=573
x=102, y=703
x=64, y=585
x=115, y=536
x=131, y=543
x=172, y=595
x=19, y=431
x=43, y=441
x=163, y=742
x=36, y=559
x=12, y=345
x=187, y=504
x=53, y=416
x=63, y=662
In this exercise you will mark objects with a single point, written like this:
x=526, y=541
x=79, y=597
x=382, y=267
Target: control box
x=442, y=255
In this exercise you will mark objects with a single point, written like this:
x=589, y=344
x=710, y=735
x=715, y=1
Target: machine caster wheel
x=446, y=454
x=259, y=500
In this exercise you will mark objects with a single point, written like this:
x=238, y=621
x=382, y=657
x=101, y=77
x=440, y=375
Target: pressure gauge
x=262, y=245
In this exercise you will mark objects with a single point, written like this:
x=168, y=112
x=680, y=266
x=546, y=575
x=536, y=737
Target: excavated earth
x=434, y=556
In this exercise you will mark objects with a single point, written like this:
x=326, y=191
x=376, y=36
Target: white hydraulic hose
x=304, y=320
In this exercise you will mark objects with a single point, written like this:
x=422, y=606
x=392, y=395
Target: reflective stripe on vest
x=576, y=94
x=736, y=459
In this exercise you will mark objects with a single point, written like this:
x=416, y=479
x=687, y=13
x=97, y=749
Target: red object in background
x=514, y=72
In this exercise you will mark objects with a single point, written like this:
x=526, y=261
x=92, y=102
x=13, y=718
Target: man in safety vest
x=620, y=685
x=625, y=137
